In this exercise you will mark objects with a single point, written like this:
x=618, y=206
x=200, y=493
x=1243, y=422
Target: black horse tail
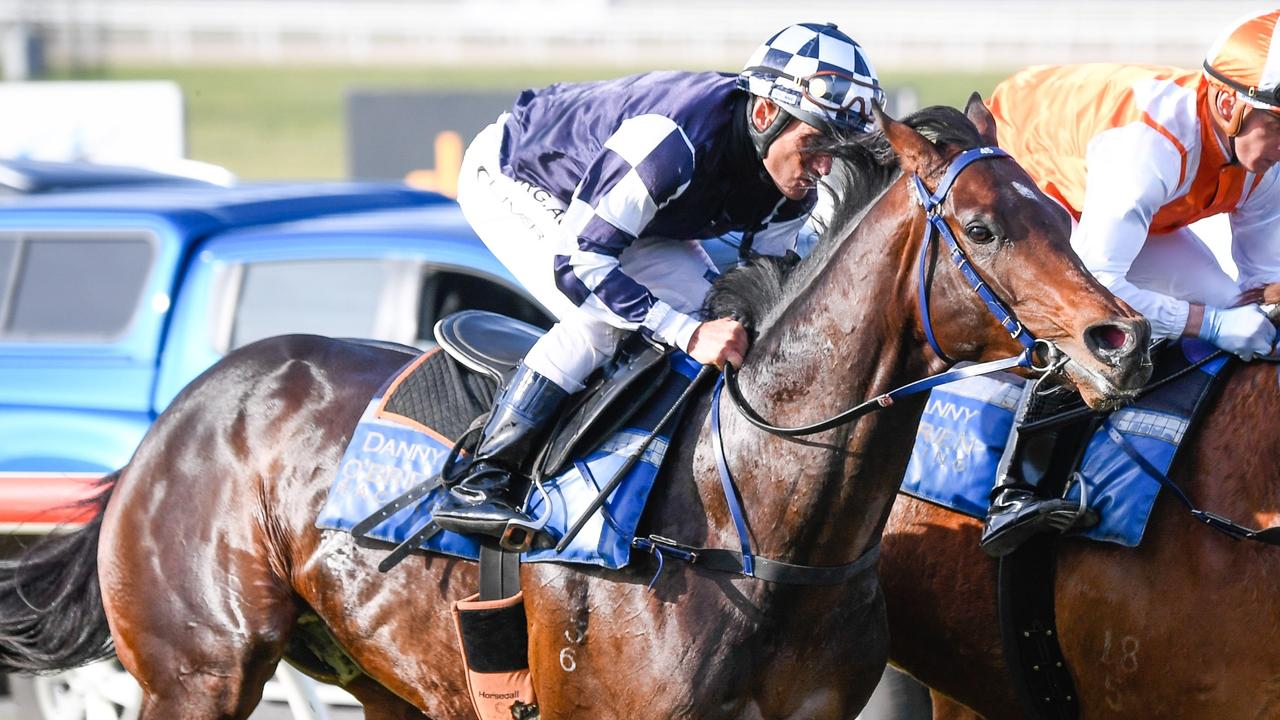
x=51, y=613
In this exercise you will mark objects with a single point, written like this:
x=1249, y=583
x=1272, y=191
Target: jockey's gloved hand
x=1245, y=331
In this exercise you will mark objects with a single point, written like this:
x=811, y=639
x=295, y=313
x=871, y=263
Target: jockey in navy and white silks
x=596, y=195
x=679, y=167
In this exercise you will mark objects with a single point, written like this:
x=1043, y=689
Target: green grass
x=287, y=122
x=938, y=88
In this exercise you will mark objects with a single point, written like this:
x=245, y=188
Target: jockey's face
x=1258, y=143
x=790, y=163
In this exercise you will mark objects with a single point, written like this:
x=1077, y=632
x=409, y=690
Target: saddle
x=493, y=345
x=591, y=482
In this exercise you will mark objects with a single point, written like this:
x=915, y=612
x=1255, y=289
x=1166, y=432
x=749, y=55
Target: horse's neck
x=847, y=338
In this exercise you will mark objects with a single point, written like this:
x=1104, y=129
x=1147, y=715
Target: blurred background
x=234, y=91
x=394, y=88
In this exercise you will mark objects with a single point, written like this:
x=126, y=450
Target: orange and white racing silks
x=1132, y=154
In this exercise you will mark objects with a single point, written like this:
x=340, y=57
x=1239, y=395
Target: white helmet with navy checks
x=815, y=73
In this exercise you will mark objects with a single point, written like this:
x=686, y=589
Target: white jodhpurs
x=520, y=224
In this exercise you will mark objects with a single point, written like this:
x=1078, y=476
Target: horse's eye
x=979, y=233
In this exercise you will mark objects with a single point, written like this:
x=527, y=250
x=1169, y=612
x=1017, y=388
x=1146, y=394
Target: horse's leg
x=224, y=683
x=198, y=610
x=382, y=704
x=398, y=627
x=206, y=695
x=202, y=668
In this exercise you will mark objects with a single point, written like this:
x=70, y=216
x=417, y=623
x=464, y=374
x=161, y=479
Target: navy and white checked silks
x=642, y=167
x=645, y=156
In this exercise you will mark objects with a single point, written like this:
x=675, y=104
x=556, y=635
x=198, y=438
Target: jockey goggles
x=1268, y=99
x=831, y=89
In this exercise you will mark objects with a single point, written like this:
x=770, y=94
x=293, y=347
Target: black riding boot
x=490, y=496
x=1017, y=512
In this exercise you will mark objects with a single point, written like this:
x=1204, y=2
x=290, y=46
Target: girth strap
x=415, y=539
x=1028, y=631
x=384, y=513
x=408, y=545
x=731, y=561
x=499, y=572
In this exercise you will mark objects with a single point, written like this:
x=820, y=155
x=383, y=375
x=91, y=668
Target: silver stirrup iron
x=1063, y=521
x=518, y=536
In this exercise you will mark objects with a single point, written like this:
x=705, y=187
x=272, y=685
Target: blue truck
x=111, y=301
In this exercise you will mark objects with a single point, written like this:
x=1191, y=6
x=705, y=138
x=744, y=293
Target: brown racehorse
x=209, y=560
x=1186, y=625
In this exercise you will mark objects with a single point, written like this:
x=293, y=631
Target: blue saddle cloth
x=388, y=454
x=966, y=425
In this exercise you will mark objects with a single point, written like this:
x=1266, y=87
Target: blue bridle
x=932, y=205
x=937, y=227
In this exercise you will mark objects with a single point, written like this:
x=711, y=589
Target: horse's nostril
x=1109, y=337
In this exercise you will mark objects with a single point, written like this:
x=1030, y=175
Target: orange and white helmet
x=1246, y=59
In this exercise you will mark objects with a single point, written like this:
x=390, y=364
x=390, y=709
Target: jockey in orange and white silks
x=1137, y=153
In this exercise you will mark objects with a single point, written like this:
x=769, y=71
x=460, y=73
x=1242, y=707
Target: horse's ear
x=915, y=153
x=982, y=119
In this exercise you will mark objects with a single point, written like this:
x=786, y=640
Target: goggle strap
x=863, y=116
x=874, y=86
x=1265, y=96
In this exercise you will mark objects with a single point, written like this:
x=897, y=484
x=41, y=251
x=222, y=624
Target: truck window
x=8, y=264
x=444, y=292
x=339, y=298
x=386, y=299
x=71, y=287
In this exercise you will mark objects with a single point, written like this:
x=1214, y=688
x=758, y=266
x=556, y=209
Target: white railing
x=921, y=34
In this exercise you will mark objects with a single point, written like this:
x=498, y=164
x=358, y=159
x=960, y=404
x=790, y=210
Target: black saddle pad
x=441, y=394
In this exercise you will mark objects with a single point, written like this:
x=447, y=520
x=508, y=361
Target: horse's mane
x=865, y=166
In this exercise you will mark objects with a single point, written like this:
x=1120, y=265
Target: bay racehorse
x=1186, y=625
x=208, y=558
